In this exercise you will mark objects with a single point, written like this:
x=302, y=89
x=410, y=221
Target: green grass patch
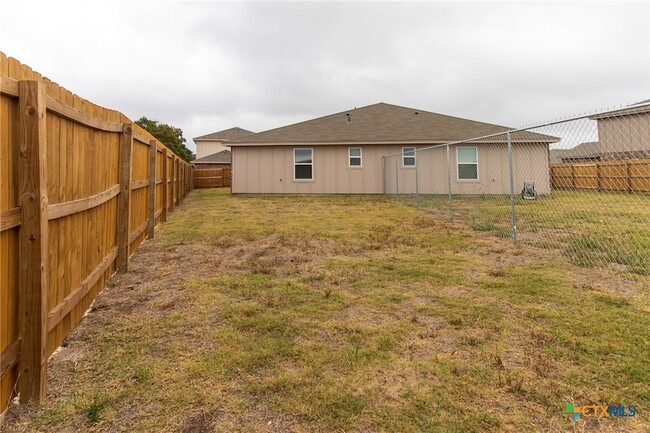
x=591, y=230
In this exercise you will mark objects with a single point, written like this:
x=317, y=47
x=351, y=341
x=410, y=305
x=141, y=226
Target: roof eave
x=645, y=109
x=370, y=143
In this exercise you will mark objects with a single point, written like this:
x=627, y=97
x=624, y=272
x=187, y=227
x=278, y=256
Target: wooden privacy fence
x=219, y=177
x=617, y=176
x=81, y=187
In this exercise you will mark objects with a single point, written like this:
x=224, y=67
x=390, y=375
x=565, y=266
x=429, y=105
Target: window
x=408, y=156
x=354, y=157
x=467, y=158
x=303, y=164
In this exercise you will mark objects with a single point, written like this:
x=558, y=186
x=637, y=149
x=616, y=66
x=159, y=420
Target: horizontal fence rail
x=81, y=187
x=219, y=177
x=606, y=176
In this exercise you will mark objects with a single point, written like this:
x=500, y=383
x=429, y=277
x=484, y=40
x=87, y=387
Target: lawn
x=591, y=229
x=355, y=314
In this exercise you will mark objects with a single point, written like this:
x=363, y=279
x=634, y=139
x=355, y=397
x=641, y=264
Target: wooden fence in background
x=219, y=177
x=616, y=176
x=81, y=187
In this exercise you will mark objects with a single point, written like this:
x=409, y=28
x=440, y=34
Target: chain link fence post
x=449, y=183
x=512, y=191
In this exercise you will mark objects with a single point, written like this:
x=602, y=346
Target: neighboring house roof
x=588, y=150
x=637, y=108
x=225, y=135
x=384, y=123
x=223, y=157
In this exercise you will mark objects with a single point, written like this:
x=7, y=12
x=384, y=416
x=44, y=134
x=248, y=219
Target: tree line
x=169, y=136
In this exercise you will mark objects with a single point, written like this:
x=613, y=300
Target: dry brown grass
x=310, y=314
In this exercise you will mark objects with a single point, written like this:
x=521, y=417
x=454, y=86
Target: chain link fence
x=579, y=186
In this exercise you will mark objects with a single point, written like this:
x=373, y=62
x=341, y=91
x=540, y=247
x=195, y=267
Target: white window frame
x=458, y=164
x=360, y=157
x=414, y=156
x=311, y=149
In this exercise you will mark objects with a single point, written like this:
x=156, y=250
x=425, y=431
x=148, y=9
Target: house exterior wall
x=269, y=170
x=206, y=148
x=621, y=134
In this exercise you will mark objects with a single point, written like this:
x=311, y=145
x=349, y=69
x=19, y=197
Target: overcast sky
x=208, y=66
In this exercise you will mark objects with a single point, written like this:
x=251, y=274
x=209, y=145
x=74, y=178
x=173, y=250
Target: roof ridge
x=214, y=134
x=378, y=122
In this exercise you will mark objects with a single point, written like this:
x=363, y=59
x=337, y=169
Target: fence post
x=124, y=201
x=397, y=177
x=417, y=186
x=598, y=187
x=449, y=181
x=512, y=191
x=171, y=206
x=628, y=174
x=180, y=182
x=573, y=177
x=383, y=172
x=151, y=203
x=33, y=277
x=163, y=217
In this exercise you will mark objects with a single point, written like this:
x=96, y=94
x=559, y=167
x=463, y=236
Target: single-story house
x=625, y=133
x=343, y=153
x=583, y=152
x=216, y=142
x=216, y=160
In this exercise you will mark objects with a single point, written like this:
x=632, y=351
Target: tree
x=169, y=136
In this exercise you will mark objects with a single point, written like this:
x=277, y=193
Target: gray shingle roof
x=381, y=123
x=226, y=134
x=223, y=157
x=586, y=150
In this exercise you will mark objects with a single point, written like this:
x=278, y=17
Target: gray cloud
x=205, y=66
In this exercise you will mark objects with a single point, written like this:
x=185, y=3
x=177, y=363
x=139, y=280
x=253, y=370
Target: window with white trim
x=408, y=156
x=354, y=157
x=303, y=166
x=467, y=158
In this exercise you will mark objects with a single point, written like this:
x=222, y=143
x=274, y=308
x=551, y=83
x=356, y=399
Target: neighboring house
x=584, y=152
x=216, y=160
x=216, y=142
x=625, y=133
x=343, y=153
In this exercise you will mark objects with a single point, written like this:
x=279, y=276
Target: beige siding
x=269, y=170
x=624, y=133
x=206, y=148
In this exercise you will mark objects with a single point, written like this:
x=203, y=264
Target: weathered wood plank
x=8, y=86
x=126, y=148
x=33, y=241
x=10, y=357
x=60, y=210
x=140, y=137
x=165, y=180
x=151, y=199
x=10, y=218
x=137, y=232
x=139, y=184
x=70, y=113
x=61, y=310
